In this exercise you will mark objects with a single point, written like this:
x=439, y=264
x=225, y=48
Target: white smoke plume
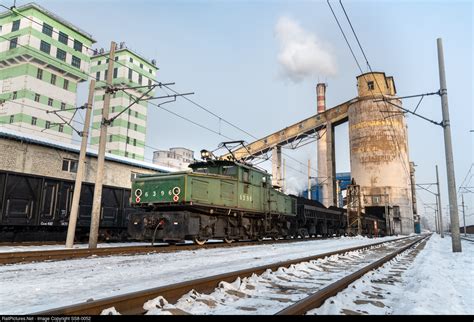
x=302, y=54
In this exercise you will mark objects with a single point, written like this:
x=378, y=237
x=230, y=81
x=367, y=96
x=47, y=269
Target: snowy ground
x=437, y=282
x=33, y=287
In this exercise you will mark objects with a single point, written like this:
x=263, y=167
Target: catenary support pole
x=96, y=206
x=71, y=229
x=440, y=209
x=463, y=215
x=309, y=179
x=453, y=202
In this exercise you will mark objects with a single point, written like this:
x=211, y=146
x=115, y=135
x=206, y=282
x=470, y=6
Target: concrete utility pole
x=463, y=215
x=453, y=202
x=71, y=229
x=97, y=206
x=440, y=210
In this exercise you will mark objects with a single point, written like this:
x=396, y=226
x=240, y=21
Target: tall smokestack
x=321, y=97
x=322, y=149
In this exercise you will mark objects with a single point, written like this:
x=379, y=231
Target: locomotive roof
x=213, y=163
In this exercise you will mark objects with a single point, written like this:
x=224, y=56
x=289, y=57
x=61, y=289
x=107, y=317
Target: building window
x=66, y=84
x=115, y=72
x=128, y=140
x=126, y=154
x=15, y=25
x=63, y=37
x=53, y=79
x=116, y=58
x=39, y=73
x=70, y=165
x=61, y=54
x=47, y=29
x=133, y=155
x=76, y=62
x=135, y=127
x=105, y=74
x=130, y=74
x=37, y=97
x=78, y=45
x=63, y=106
x=113, y=109
x=45, y=47
x=50, y=101
x=134, y=142
x=13, y=43
x=110, y=138
x=151, y=72
x=129, y=111
x=47, y=125
x=61, y=128
x=97, y=75
x=149, y=82
x=370, y=85
x=99, y=62
x=141, y=65
x=131, y=59
x=136, y=114
x=33, y=120
x=12, y=118
x=14, y=95
x=140, y=79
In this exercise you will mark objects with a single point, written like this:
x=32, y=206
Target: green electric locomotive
x=218, y=199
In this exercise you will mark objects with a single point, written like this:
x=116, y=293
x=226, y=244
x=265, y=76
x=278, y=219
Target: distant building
x=126, y=135
x=176, y=158
x=344, y=179
x=42, y=59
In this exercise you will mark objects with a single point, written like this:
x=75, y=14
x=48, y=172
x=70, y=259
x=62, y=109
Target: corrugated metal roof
x=15, y=135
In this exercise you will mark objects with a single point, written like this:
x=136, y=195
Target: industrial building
x=43, y=58
x=126, y=135
x=176, y=158
x=380, y=168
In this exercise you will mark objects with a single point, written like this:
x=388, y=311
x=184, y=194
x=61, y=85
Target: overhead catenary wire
x=221, y=119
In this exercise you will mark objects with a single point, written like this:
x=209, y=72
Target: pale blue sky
x=226, y=52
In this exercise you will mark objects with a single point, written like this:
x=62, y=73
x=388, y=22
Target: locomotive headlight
x=205, y=155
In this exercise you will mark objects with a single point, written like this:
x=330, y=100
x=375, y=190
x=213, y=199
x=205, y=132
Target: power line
x=221, y=119
x=391, y=128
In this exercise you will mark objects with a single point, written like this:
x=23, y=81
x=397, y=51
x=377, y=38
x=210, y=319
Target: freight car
x=36, y=208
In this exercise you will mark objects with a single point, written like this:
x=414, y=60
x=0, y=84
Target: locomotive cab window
x=245, y=175
x=229, y=171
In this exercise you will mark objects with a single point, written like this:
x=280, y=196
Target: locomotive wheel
x=228, y=240
x=259, y=238
x=199, y=241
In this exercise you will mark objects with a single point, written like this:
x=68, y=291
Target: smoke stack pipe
x=321, y=97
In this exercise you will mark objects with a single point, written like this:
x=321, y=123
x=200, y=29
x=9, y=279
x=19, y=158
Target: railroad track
x=65, y=254
x=133, y=303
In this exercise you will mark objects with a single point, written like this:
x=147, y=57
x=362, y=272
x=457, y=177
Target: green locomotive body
x=218, y=199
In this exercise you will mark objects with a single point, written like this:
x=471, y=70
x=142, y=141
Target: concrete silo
x=379, y=152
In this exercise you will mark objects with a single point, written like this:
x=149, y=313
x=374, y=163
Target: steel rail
x=132, y=303
x=316, y=299
x=65, y=254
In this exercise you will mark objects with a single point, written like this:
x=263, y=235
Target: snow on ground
x=437, y=282
x=32, y=287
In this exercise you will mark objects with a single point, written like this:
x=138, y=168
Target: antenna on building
x=153, y=61
x=122, y=45
x=101, y=50
x=95, y=51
